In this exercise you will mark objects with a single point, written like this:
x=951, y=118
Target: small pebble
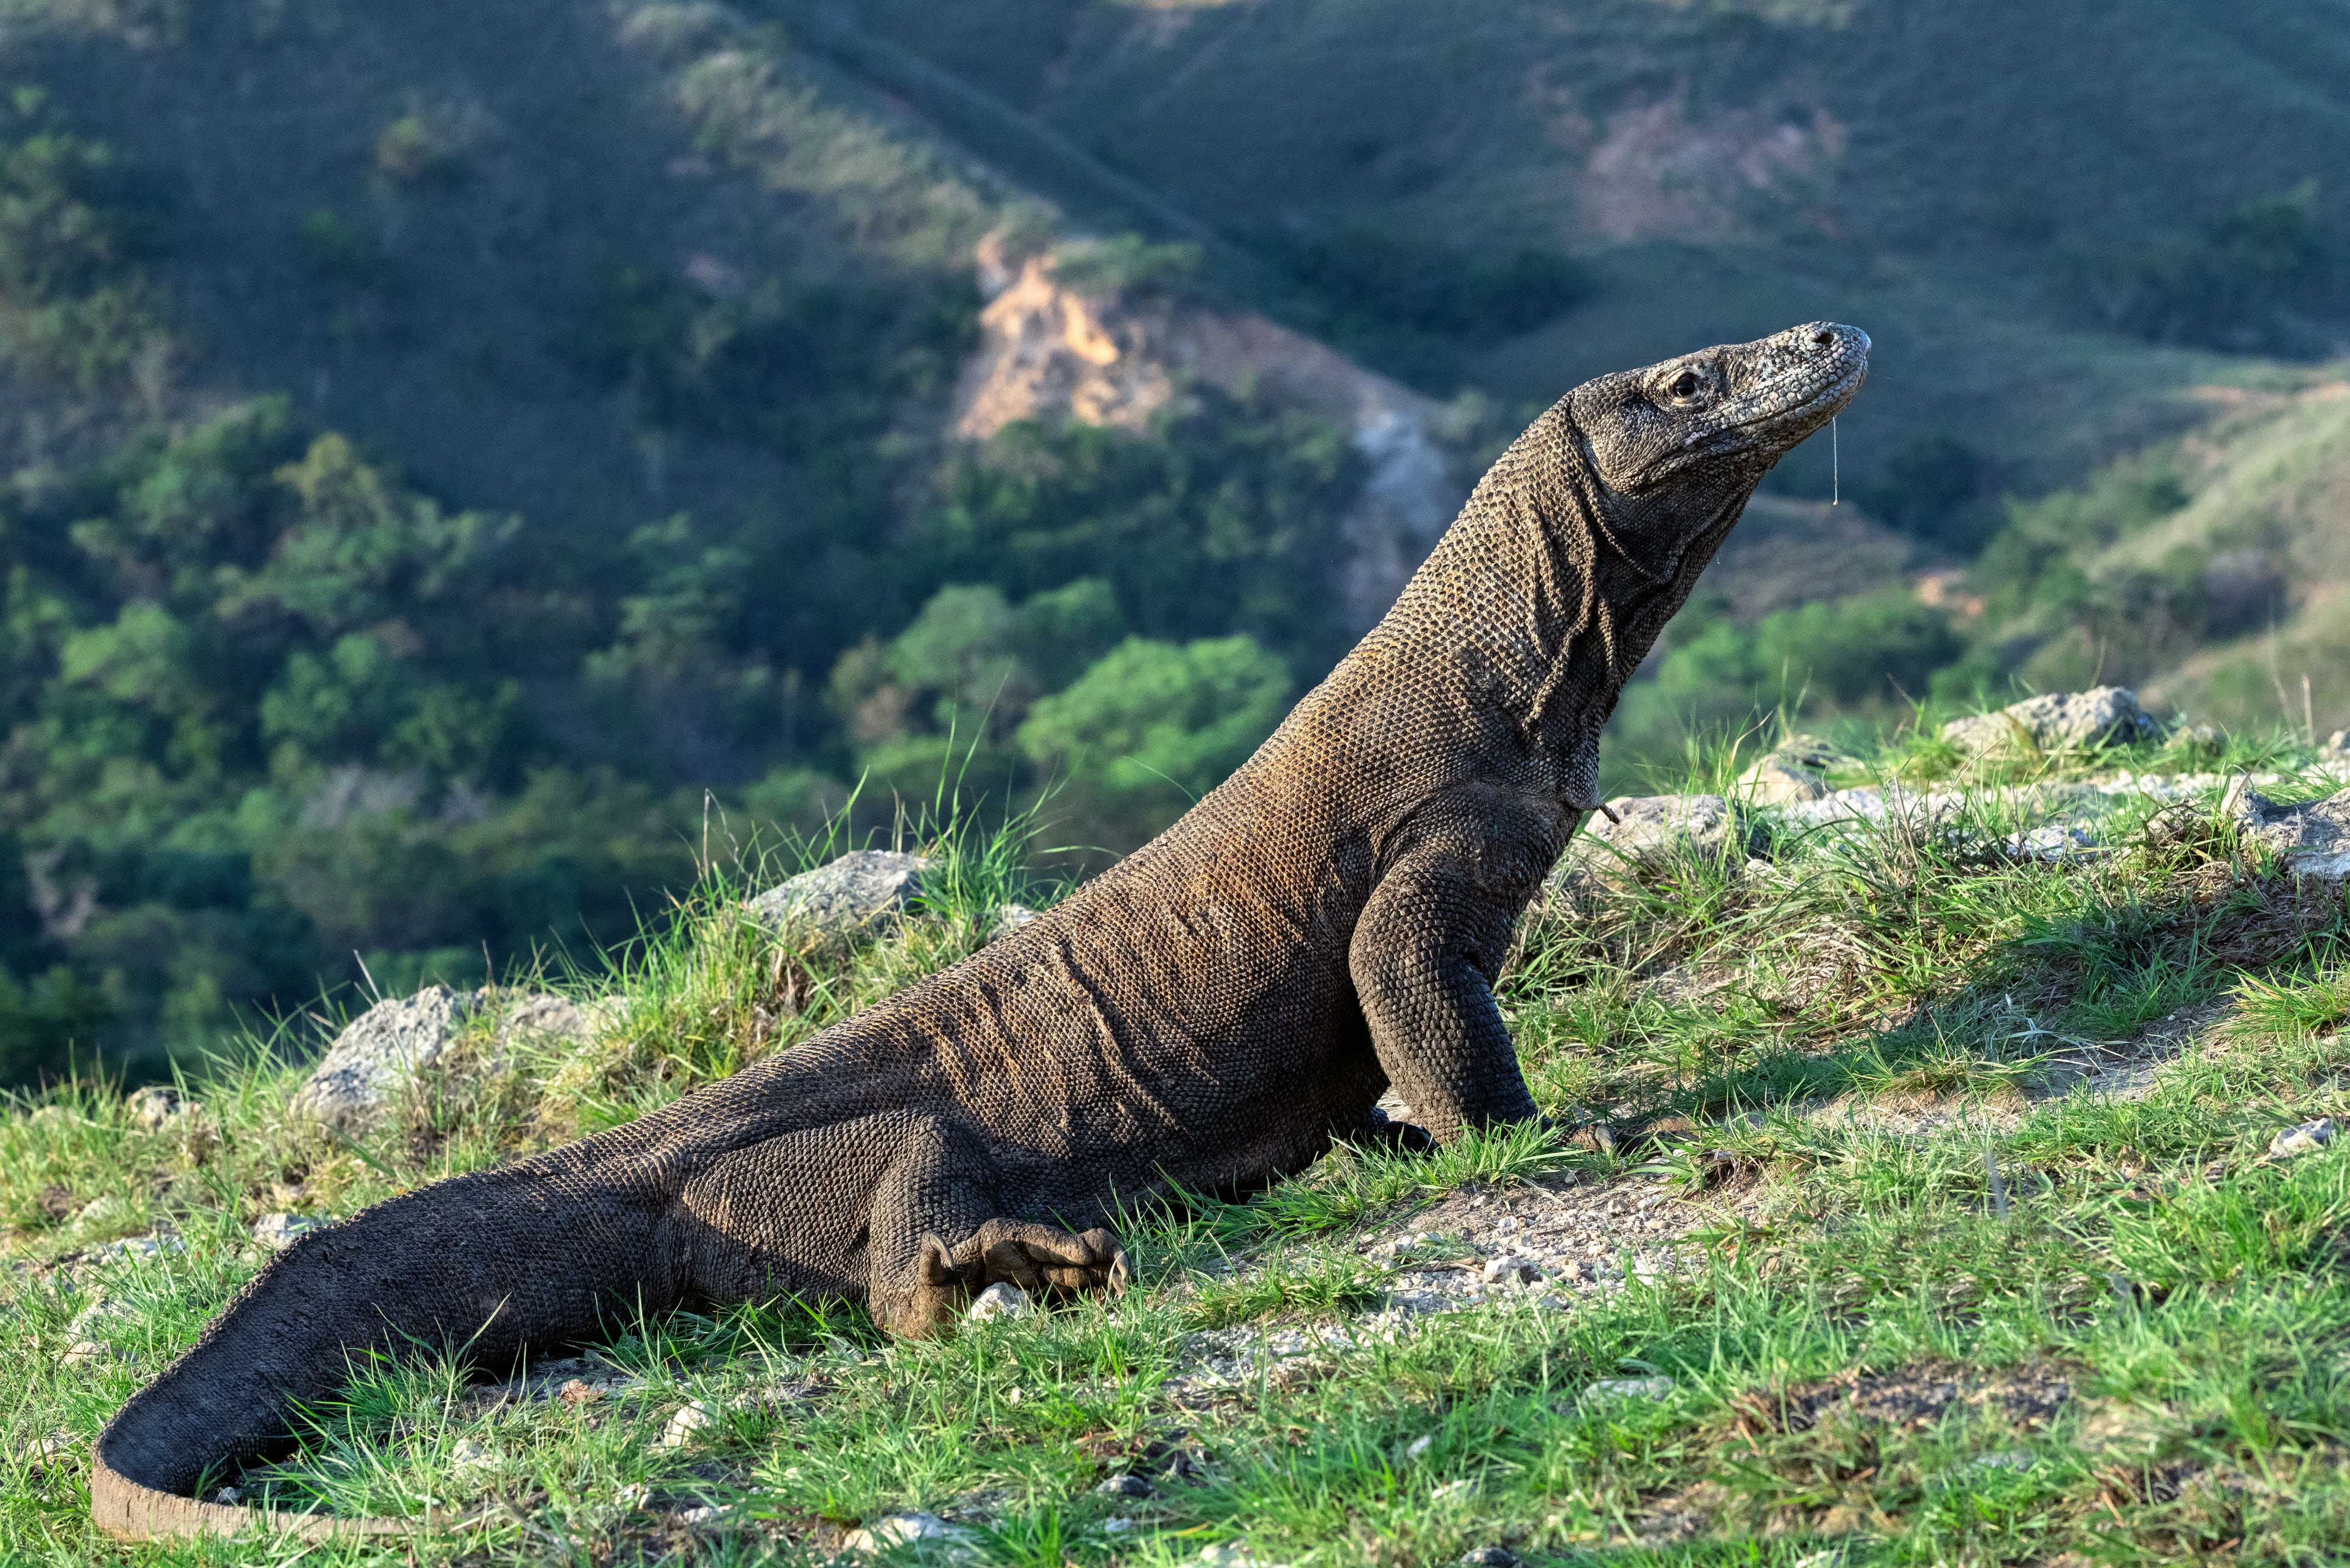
x=1419, y=1446
x=688, y=1420
x=2001, y=1459
x=2306, y=1138
x=1512, y=1272
x=155, y=1107
x=1125, y=1486
x=1629, y=1388
x=709, y=1513
x=137, y=1246
x=899, y=1530
x=579, y=1391
x=1001, y=1300
x=277, y=1231
x=100, y=1211
x=467, y=1452
x=1232, y=1554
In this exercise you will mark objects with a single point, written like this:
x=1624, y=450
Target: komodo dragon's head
x=1677, y=448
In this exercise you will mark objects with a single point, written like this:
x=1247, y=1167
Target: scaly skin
x=1211, y=1013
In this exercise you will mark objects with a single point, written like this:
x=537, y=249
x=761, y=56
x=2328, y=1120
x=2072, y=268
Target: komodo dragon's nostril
x=1823, y=336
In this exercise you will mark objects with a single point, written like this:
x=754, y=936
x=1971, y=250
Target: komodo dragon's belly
x=1214, y=1041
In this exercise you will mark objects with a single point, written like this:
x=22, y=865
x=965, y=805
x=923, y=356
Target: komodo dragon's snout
x=1207, y=1015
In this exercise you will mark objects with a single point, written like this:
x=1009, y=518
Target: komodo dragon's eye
x=1685, y=385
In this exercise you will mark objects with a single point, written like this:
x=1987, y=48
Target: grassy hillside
x=2210, y=571
x=1959, y=1241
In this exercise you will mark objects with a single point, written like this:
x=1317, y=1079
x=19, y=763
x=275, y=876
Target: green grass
x=1936, y=1308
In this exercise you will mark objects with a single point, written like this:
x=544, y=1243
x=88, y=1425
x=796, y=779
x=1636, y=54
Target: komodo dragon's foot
x=1044, y=1261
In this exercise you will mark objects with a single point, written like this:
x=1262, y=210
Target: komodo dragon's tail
x=486, y=1265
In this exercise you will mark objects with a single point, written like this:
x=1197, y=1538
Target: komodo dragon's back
x=1211, y=1013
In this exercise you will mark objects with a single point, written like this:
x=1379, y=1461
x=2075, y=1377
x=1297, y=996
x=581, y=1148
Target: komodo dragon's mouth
x=1797, y=395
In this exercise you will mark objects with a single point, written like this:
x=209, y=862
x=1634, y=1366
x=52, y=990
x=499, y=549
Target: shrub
x=1124, y=264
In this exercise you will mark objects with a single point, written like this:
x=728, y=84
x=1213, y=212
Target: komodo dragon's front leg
x=1426, y=949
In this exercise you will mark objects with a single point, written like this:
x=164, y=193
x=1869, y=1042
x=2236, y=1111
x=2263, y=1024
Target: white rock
x=1418, y=1446
x=545, y=1021
x=1647, y=833
x=2306, y=1138
x=147, y=1246
x=277, y=1231
x=895, y=1530
x=156, y=1106
x=86, y=1353
x=466, y=1454
x=2000, y=1459
x=97, y=1211
x=380, y=1051
x=1234, y=1554
x=708, y=1513
x=685, y=1422
x=1651, y=826
x=857, y=889
x=1608, y=1389
x=1001, y=1299
x=2057, y=841
x=2058, y=721
x=1791, y=772
x=1518, y=1272
x=2311, y=840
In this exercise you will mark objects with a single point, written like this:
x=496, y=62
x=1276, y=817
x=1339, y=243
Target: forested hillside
x=462, y=466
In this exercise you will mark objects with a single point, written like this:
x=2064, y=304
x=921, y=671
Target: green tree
x=1222, y=520
x=1154, y=725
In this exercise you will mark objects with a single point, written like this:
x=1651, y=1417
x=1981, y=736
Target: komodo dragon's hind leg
x=899, y=1207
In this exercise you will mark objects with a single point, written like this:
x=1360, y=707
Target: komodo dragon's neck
x=1534, y=607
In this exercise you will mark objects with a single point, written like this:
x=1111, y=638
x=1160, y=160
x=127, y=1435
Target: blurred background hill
x=464, y=462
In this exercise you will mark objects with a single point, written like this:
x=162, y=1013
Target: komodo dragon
x=1211, y=1013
